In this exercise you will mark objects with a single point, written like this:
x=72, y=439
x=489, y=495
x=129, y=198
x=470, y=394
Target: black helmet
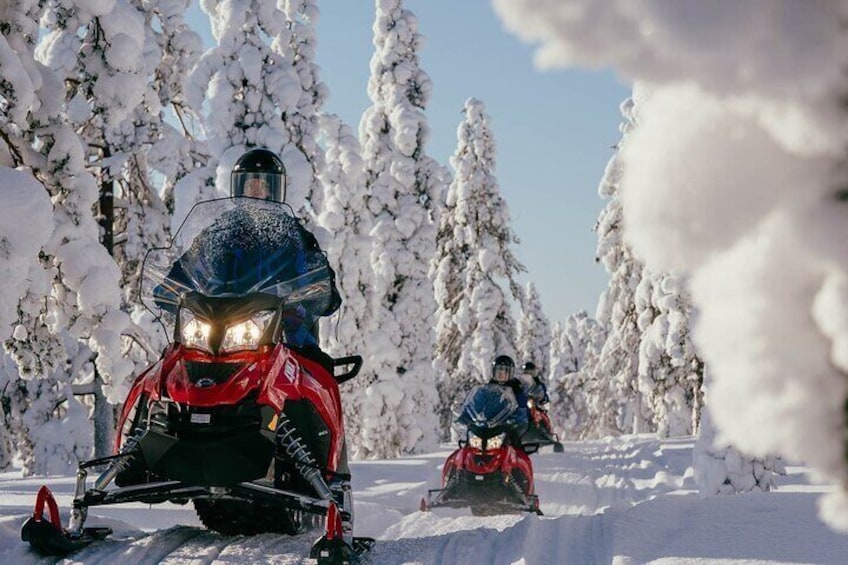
x=503, y=368
x=529, y=367
x=259, y=173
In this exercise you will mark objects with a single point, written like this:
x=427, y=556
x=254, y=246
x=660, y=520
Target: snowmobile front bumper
x=492, y=494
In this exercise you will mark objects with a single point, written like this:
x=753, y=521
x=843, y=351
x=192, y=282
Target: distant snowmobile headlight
x=495, y=442
x=246, y=335
x=195, y=332
x=476, y=442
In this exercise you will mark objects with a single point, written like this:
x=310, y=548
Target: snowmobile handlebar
x=355, y=360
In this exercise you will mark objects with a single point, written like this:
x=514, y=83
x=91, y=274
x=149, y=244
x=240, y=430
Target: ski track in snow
x=622, y=501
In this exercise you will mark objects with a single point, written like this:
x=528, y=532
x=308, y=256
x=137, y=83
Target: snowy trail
x=622, y=501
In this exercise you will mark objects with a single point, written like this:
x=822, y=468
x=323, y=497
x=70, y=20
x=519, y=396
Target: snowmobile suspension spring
x=117, y=465
x=292, y=445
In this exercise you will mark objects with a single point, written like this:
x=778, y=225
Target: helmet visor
x=266, y=186
x=501, y=373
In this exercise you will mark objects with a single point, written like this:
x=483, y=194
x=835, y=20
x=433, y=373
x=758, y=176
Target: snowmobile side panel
x=295, y=377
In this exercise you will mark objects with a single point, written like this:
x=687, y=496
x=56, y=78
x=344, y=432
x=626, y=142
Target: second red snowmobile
x=540, y=430
x=490, y=472
x=242, y=414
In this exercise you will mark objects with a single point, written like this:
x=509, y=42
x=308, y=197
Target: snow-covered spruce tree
x=153, y=149
x=349, y=250
x=715, y=465
x=670, y=372
x=302, y=121
x=20, y=98
x=616, y=405
x=23, y=195
x=534, y=331
x=73, y=307
x=112, y=64
x=20, y=242
x=574, y=346
x=405, y=189
x=148, y=154
x=246, y=87
x=473, y=263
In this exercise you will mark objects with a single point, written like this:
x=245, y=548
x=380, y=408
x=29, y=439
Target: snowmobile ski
x=332, y=549
x=48, y=537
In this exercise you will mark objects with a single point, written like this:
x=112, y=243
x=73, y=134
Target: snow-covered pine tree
x=23, y=195
x=245, y=88
x=159, y=146
x=115, y=103
x=534, y=331
x=473, y=263
x=302, y=121
x=574, y=346
x=148, y=153
x=718, y=468
x=405, y=190
x=616, y=406
x=20, y=99
x=670, y=372
x=73, y=308
x=349, y=250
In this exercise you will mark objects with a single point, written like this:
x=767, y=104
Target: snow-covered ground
x=625, y=501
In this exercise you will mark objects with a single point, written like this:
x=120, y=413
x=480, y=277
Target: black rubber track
x=238, y=517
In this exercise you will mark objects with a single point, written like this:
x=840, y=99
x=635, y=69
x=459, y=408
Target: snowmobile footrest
x=46, y=539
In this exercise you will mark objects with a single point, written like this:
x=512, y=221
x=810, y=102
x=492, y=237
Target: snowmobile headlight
x=476, y=442
x=246, y=334
x=495, y=442
x=530, y=403
x=195, y=332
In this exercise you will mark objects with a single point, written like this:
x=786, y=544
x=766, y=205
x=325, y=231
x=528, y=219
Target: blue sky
x=554, y=130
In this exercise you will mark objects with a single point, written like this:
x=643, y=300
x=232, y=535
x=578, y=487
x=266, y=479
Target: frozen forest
x=725, y=315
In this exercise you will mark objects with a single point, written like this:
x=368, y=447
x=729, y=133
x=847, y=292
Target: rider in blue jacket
x=503, y=373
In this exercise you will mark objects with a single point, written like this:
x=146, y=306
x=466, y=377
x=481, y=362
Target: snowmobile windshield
x=488, y=407
x=234, y=247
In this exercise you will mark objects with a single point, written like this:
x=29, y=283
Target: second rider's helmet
x=529, y=367
x=503, y=367
x=259, y=173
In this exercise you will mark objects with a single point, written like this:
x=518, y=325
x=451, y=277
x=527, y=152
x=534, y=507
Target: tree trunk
x=104, y=417
x=104, y=420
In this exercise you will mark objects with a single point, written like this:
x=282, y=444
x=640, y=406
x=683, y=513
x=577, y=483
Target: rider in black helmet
x=259, y=173
x=534, y=386
x=503, y=373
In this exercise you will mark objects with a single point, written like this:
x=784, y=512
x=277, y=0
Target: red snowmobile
x=242, y=414
x=540, y=430
x=490, y=472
